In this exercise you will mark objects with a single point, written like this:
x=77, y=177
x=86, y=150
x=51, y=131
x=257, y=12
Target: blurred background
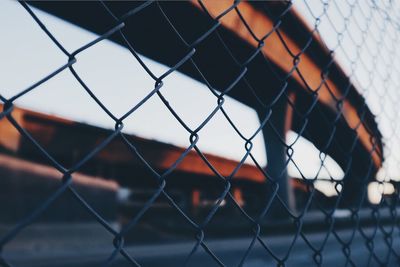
x=298, y=165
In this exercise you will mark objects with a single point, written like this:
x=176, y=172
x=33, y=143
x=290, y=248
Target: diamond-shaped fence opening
x=199, y=133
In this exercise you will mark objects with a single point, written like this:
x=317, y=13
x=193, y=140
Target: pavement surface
x=89, y=245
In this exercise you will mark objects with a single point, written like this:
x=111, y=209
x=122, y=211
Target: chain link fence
x=324, y=71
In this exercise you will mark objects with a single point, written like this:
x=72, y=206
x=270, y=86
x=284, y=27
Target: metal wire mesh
x=338, y=78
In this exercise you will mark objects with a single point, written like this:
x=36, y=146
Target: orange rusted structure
x=67, y=139
x=275, y=48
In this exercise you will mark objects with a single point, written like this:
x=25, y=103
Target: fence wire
x=336, y=69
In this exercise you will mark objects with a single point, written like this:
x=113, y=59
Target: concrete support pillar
x=281, y=118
